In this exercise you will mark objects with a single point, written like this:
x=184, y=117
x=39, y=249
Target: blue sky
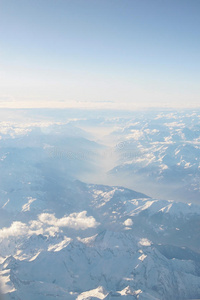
x=95, y=51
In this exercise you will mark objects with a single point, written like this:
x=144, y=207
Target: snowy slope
x=110, y=250
x=163, y=150
x=61, y=238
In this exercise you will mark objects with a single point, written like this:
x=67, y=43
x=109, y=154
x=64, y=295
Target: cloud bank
x=49, y=224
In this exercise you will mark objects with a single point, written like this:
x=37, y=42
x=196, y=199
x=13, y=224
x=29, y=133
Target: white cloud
x=75, y=220
x=16, y=229
x=49, y=224
x=128, y=222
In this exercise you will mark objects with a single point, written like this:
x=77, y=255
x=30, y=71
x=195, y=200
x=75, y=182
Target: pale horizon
x=133, y=53
x=107, y=105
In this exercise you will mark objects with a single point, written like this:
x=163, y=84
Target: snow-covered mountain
x=115, y=244
x=163, y=150
x=61, y=238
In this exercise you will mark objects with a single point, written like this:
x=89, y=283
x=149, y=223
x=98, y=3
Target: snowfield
x=66, y=238
x=123, y=245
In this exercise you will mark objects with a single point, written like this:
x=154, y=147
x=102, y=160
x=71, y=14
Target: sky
x=99, y=53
